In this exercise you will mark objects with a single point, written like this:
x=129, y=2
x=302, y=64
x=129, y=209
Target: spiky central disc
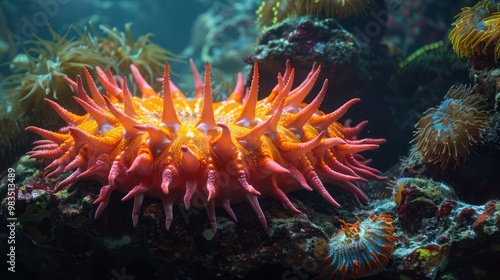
x=196, y=152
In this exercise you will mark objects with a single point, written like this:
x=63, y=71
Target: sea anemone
x=476, y=29
x=271, y=12
x=40, y=73
x=122, y=47
x=398, y=186
x=448, y=133
x=42, y=69
x=360, y=249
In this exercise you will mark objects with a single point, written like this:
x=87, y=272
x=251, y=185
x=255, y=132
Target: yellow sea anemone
x=271, y=12
x=476, y=29
x=448, y=133
x=39, y=73
x=122, y=47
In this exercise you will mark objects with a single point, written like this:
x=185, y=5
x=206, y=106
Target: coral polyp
x=449, y=132
x=476, y=30
x=197, y=152
x=360, y=249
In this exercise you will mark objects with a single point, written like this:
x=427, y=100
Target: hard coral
x=448, y=133
x=196, y=152
x=307, y=39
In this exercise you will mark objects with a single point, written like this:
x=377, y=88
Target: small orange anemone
x=398, y=186
x=449, y=132
x=360, y=249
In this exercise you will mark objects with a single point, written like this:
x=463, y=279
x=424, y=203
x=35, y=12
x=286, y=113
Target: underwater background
x=428, y=78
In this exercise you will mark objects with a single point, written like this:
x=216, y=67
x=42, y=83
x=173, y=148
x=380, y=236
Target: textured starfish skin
x=194, y=152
